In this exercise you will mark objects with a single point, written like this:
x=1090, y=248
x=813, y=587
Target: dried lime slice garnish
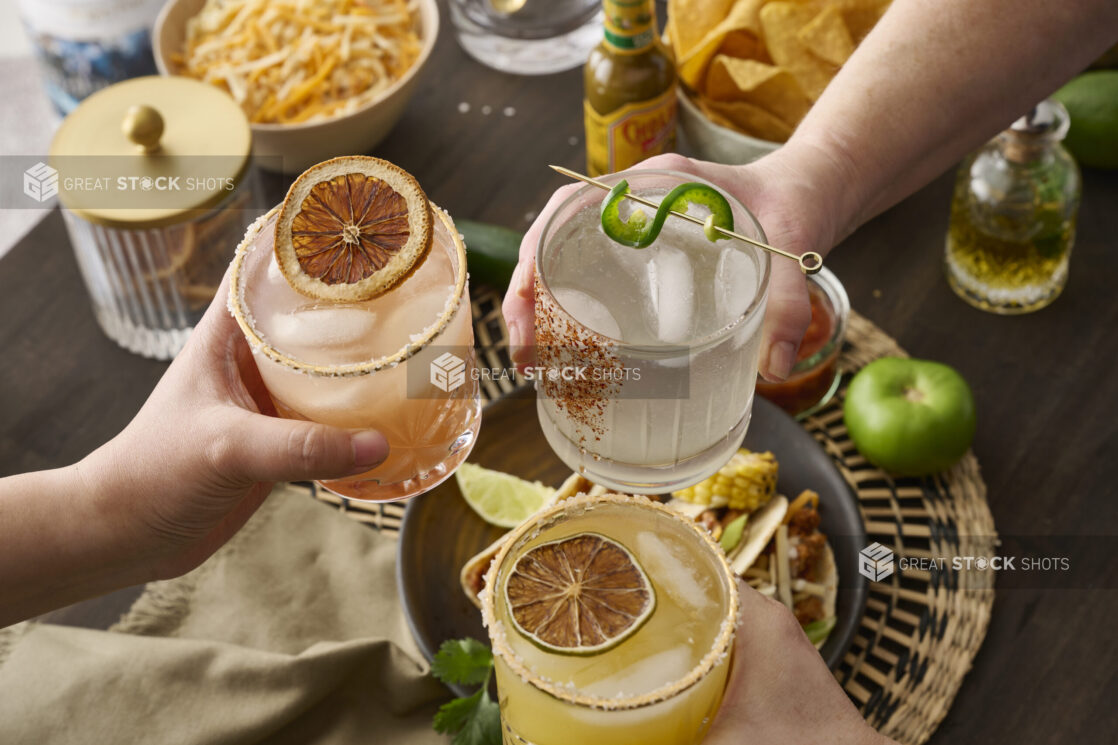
x=579, y=595
x=352, y=228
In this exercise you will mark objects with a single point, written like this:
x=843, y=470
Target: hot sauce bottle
x=630, y=105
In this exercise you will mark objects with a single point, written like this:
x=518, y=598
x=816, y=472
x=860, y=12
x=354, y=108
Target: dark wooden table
x=1046, y=383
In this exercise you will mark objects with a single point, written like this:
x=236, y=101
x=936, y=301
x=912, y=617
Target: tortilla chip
x=744, y=45
x=714, y=116
x=692, y=20
x=826, y=36
x=771, y=88
x=742, y=19
x=731, y=79
x=781, y=22
x=746, y=118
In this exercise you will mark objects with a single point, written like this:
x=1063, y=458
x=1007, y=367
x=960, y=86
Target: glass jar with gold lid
x=153, y=180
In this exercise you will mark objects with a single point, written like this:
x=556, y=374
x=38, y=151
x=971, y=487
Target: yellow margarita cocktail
x=612, y=622
x=401, y=361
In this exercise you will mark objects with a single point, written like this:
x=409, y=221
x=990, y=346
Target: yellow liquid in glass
x=693, y=602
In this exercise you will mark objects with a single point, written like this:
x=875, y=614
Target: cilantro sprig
x=476, y=719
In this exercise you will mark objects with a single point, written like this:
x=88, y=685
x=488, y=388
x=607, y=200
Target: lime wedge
x=499, y=498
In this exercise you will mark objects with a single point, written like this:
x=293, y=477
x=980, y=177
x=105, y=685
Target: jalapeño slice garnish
x=639, y=232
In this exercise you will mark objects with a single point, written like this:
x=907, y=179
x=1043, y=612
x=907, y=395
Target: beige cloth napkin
x=291, y=633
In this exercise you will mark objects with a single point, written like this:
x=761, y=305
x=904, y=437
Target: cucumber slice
x=491, y=251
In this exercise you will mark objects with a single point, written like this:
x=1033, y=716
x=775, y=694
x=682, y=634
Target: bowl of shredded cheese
x=316, y=79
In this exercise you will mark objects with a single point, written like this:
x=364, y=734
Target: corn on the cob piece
x=745, y=483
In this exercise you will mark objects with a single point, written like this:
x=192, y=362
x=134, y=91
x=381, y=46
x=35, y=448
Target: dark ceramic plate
x=440, y=532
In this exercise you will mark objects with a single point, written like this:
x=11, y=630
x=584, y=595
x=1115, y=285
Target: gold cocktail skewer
x=810, y=262
x=507, y=7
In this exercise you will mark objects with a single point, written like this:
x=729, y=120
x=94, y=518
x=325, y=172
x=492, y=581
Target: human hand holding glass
x=159, y=498
x=353, y=311
x=780, y=690
x=648, y=356
x=785, y=194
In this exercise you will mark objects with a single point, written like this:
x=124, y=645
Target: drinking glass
x=402, y=363
x=528, y=37
x=667, y=339
x=816, y=376
x=660, y=686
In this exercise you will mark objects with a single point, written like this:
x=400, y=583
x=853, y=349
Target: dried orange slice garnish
x=579, y=595
x=352, y=228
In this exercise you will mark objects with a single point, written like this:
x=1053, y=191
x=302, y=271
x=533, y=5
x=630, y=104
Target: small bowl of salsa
x=815, y=376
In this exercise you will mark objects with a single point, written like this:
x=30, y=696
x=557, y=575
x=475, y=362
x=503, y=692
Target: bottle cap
x=1048, y=119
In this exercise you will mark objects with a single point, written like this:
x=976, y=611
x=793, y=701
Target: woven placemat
x=920, y=630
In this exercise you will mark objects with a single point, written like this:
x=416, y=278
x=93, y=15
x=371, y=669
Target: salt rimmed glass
x=430, y=415
x=663, y=410
x=660, y=686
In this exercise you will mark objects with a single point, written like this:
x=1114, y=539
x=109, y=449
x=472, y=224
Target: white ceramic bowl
x=713, y=142
x=299, y=146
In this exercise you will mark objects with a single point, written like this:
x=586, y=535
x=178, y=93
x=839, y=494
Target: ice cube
x=734, y=282
x=435, y=276
x=588, y=310
x=672, y=287
x=645, y=675
x=335, y=401
x=332, y=334
x=674, y=570
x=275, y=276
x=414, y=314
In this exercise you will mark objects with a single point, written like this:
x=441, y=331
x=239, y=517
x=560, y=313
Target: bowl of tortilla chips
x=751, y=69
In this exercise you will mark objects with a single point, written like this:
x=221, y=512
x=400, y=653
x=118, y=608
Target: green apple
x=910, y=417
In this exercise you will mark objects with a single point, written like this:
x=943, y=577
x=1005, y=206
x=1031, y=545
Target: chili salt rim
x=237, y=307
x=720, y=649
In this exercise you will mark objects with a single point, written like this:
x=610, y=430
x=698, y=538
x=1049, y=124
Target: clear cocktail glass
x=663, y=684
x=667, y=337
x=347, y=364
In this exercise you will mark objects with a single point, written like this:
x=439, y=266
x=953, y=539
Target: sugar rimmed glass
x=347, y=364
x=662, y=685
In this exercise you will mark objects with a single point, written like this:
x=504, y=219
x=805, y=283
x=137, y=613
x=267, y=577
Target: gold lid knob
x=179, y=117
x=143, y=125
